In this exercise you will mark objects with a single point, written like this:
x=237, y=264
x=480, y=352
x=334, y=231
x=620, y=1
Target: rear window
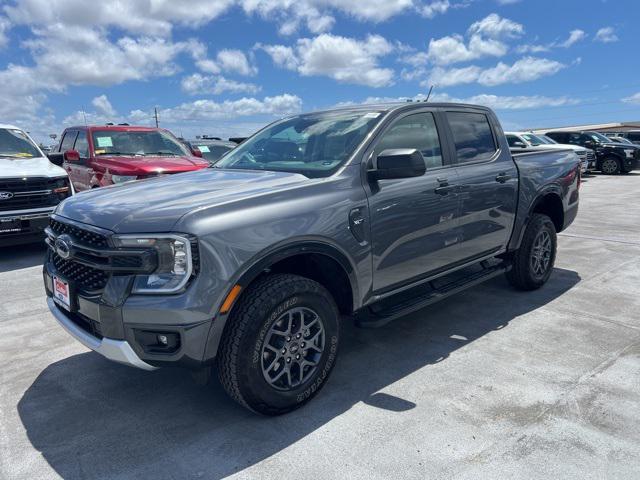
x=472, y=136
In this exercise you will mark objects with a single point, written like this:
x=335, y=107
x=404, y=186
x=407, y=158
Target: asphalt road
x=492, y=383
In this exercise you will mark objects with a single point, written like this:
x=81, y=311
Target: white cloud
x=494, y=26
x=199, y=110
x=496, y=102
x=56, y=47
x=344, y=59
x=235, y=61
x=606, y=35
x=435, y=7
x=139, y=17
x=5, y=25
x=103, y=106
x=281, y=55
x=575, y=36
x=635, y=98
x=197, y=84
x=524, y=70
x=486, y=38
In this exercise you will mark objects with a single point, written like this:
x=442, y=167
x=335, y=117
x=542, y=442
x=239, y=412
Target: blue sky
x=227, y=67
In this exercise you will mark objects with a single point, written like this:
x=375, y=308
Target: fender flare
x=262, y=262
x=549, y=189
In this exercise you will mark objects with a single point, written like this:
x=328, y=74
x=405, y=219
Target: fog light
x=158, y=342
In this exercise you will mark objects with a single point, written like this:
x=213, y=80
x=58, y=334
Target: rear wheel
x=533, y=261
x=610, y=166
x=280, y=344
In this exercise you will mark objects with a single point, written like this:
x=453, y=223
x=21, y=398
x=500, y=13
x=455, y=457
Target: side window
x=68, y=140
x=512, y=140
x=415, y=131
x=574, y=139
x=472, y=136
x=634, y=136
x=82, y=145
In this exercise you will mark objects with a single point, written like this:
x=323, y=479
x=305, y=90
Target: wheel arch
x=319, y=260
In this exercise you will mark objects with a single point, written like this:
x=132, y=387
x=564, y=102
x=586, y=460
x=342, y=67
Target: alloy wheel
x=293, y=348
x=541, y=253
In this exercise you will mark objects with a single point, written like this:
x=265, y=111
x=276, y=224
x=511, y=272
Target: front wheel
x=280, y=344
x=533, y=261
x=610, y=166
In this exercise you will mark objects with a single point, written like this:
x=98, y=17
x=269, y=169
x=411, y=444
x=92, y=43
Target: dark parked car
x=211, y=149
x=611, y=157
x=365, y=213
x=632, y=135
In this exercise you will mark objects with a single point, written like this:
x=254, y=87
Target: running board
x=385, y=311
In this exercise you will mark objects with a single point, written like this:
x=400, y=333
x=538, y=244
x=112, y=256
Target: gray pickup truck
x=249, y=267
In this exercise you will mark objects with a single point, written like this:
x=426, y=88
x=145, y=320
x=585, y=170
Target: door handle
x=444, y=189
x=503, y=177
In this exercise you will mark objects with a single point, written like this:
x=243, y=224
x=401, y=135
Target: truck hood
x=29, y=167
x=155, y=205
x=139, y=165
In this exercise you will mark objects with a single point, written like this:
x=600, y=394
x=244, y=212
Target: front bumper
x=19, y=228
x=117, y=350
x=115, y=323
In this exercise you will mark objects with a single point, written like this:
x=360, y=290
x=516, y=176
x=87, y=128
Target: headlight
x=175, y=262
x=123, y=178
x=629, y=153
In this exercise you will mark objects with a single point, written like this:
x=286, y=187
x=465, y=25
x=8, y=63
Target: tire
x=610, y=166
x=252, y=349
x=526, y=273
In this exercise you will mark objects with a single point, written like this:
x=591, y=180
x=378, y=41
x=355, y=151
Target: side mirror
x=196, y=153
x=398, y=163
x=519, y=144
x=589, y=144
x=56, y=158
x=71, y=156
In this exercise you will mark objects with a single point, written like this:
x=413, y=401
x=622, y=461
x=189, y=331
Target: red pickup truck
x=96, y=156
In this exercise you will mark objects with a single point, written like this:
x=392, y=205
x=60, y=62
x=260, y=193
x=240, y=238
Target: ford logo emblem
x=6, y=195
x=63, y=247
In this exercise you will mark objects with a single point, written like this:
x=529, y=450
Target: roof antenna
x=429, y=94
x=84, y=116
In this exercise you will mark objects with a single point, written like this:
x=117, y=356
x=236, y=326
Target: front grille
x=31, y=192
x=80, y=235
x=591, y=156
x=84, y=278
x=88, y=325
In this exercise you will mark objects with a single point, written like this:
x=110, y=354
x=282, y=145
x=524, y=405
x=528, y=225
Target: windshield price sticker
x=203, y=148
x=104, y=141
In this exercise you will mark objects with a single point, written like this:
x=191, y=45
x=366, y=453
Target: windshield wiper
x=118, y=153
x=161, y=152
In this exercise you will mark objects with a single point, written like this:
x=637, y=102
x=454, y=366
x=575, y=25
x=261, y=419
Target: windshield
x=144, y=143
x=533, y=139
x=599, y=138
x=314, y=145
x=547, y=140
x=15, y=144
x=212, y=152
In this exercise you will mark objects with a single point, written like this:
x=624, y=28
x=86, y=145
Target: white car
x=534, y=141
x=30, y=188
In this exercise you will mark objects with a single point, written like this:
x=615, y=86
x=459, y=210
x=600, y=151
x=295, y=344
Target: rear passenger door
x=488, y=184
x=413, y=220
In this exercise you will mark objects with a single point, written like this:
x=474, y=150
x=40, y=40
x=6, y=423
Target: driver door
x=413, y=220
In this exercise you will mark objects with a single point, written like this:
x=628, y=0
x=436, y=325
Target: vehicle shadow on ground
x=92, y=418
x=21, y=256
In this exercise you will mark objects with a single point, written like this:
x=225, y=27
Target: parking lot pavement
x=491, y=383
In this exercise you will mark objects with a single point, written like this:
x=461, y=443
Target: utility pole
x=155, y=109
x=429, y=94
